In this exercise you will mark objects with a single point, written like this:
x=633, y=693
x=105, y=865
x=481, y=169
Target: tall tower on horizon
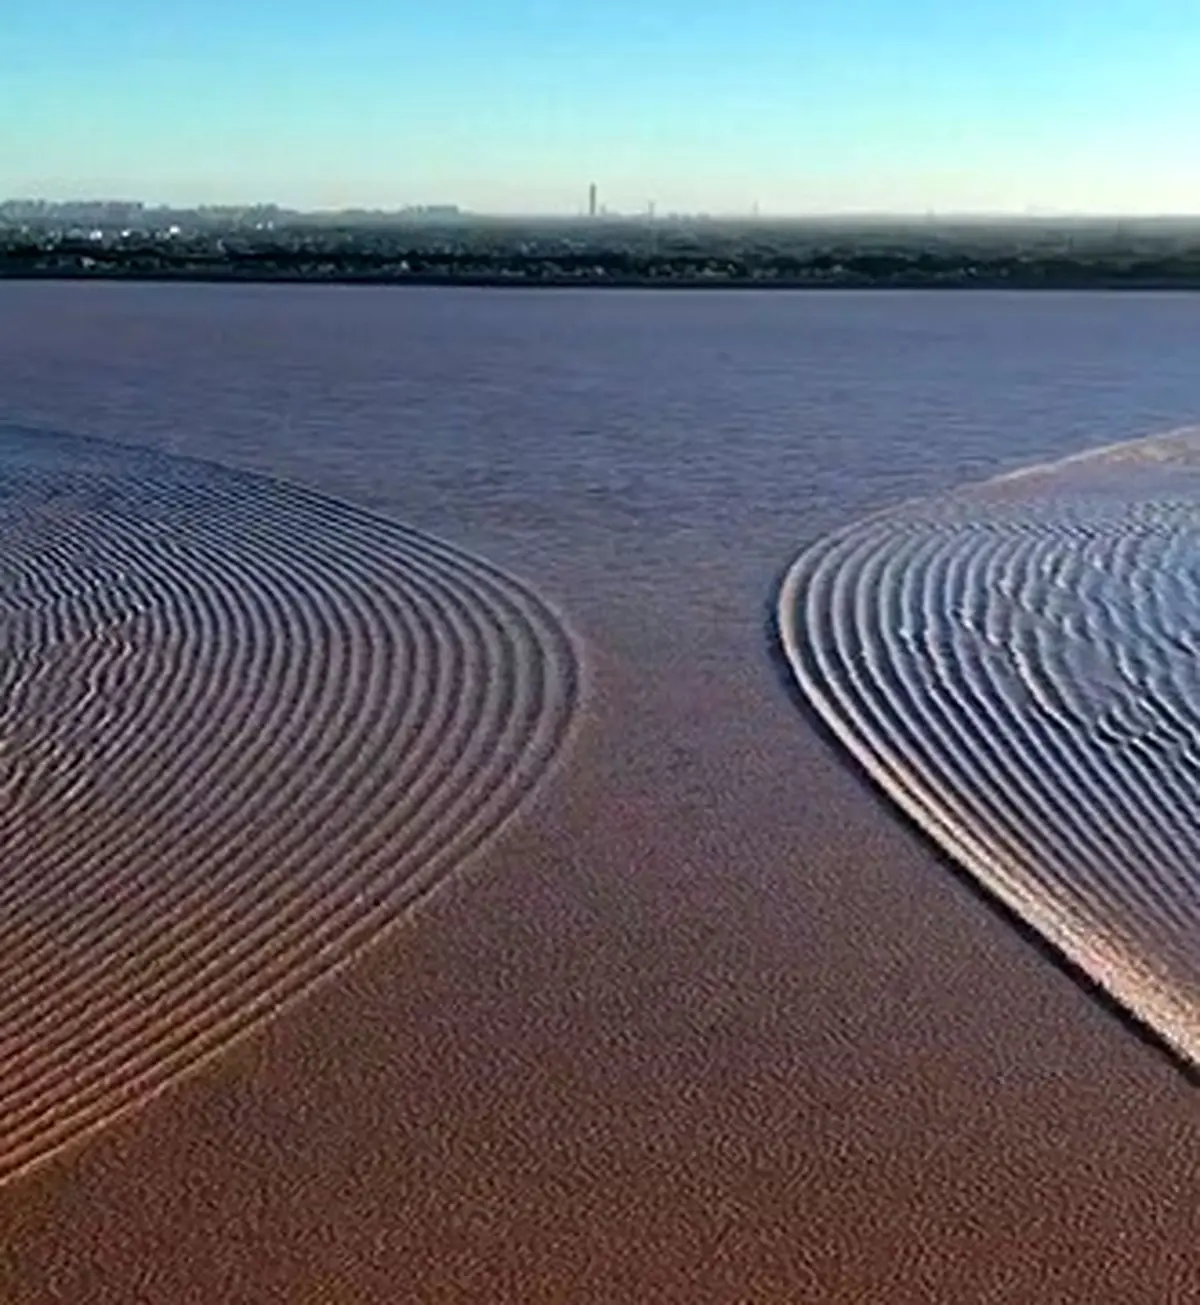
x=592, y=200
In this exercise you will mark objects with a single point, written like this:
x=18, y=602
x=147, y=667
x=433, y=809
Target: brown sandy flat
x=704, y=1022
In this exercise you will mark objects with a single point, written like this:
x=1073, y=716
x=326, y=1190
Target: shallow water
x=1018, y=665
x=612, y=448
x=242, y=729
x=618, y=437
x=704, y=1020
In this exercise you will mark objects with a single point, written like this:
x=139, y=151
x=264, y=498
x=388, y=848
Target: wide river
x=699, y=1017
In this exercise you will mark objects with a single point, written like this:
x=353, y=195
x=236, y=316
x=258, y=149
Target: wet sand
x=705, y=1021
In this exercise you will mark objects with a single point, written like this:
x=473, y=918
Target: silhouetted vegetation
x=671, y=252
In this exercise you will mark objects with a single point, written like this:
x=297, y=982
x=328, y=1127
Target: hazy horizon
x=512, y=108
x=416, y=206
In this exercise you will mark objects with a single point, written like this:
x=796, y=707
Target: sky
x=515, y=106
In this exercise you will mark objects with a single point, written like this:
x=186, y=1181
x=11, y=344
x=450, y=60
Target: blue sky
x=515, y=105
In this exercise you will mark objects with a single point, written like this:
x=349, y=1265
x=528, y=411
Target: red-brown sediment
x=244, y=728
x=704, y=1022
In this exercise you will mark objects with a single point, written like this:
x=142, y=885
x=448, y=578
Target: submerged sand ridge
x=242, y=727
x=1017, y=664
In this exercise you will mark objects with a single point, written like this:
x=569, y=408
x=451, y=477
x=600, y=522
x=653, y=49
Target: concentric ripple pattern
x=242, y=728
x=1017, y=664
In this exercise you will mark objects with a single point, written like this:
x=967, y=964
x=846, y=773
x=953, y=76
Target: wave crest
x=1017, y=665
x=242, y=728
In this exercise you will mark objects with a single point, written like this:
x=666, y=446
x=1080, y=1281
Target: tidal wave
x=1017, y=665
x=242, y=729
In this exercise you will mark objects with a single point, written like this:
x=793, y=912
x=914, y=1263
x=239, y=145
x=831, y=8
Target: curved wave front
x=242, y=728
x=1017, y=665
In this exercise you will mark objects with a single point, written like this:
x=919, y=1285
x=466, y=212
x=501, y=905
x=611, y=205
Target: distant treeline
x=641, y=255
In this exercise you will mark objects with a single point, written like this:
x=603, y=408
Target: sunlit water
x=1014, y=664
x=1018, y=665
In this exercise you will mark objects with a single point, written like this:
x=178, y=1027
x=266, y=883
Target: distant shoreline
x=647, y=256
x=499, y=281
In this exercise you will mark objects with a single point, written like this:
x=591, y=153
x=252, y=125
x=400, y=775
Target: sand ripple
x=1017, y=664
x=242, y=727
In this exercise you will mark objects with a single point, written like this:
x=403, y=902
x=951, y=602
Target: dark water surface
x=818, y=1068
x=725, y=431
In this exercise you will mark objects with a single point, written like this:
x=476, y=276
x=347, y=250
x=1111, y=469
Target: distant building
x=592, y=200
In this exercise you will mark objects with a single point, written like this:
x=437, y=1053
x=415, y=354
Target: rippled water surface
x=242, y=728
x=624, y=435
x=1016, y=665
